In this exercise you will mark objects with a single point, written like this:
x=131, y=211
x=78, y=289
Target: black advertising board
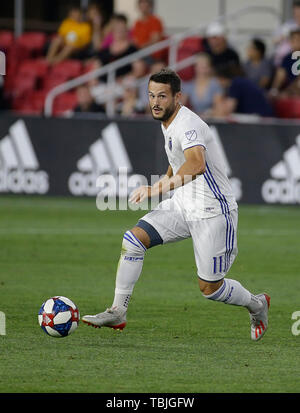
x=65, y=156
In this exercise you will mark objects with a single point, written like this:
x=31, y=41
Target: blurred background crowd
x=264, y=82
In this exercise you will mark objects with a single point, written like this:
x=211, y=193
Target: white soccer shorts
x=214, y=239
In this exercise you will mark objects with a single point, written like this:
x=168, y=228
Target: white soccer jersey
x=210, y=194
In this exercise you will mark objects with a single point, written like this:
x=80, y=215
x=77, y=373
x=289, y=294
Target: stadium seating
x=68, y=68
x=51, y=81
x=37, y=100
x=64, y=102
x=38, y=67
x=34, y=42
x=23, y=83
x=188, y=47
x=6, y=40
x=29, y=77
x=287, y=108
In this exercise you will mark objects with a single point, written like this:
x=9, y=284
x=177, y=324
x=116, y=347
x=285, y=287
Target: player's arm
x=165, y=178
x=145, y=191
x=193, y=166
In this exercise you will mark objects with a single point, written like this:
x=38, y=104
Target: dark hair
x=151, y=2
x=296, y=3
x=74, y=8
x=260, y=46
x=120, y=17
x=168, y=77
x=295, y=31
x=229, y=70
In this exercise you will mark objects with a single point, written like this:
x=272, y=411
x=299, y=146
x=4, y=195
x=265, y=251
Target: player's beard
x=166, y=113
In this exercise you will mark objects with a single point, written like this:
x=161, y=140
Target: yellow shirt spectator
x=76, y=34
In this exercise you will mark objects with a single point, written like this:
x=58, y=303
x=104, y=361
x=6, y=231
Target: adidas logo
x=19, y=167
x=104, y=168
x=285, y=185
x=236, y=183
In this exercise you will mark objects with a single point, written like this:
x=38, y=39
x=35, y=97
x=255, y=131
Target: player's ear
x=178, y=97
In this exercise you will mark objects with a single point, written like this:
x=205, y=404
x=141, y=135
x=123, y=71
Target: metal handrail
x=171, y=43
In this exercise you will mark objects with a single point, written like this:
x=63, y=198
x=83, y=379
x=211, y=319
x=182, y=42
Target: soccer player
x=203, y=207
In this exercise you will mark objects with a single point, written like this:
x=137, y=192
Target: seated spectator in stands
x=148, y=29
x=281, y=36
x=139, y=69
x=101, y=27
x=201, y=91
x=86, y=101
x=240, y=96
x=258, y=68
x=285, y=74
x=293, y=90
x=121, y=45
x=73, y=36
x=154, y=67
x=217, y=47
x=157, y=66
x=130, y=105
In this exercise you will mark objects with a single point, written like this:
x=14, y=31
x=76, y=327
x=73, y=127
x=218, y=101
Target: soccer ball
x=58, y=316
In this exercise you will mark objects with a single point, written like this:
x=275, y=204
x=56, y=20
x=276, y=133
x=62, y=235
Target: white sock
x=232, y=292
x=129, y=269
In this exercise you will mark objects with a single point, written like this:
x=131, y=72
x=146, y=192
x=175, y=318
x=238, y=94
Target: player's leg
x=134, y=245
x=162, y=225
x=214, y=256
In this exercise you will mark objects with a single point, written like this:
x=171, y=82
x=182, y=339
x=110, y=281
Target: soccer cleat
x=259, y=321
x=111, y=317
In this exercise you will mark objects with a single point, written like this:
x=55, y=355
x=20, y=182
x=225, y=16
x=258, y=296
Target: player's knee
x=132, y=246
x=141, y=235
x=208, y=288
x=149, y=233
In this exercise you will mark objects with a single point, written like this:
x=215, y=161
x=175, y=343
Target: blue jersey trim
x=229, y=238
x=198, y=144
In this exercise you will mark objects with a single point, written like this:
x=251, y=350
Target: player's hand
x=140, y=194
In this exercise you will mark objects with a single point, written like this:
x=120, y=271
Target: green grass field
x=175, y=340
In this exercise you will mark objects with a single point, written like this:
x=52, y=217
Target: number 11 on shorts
x=218, y=264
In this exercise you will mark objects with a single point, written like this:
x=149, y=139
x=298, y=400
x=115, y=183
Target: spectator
x=293, y=90
x=281, y=36
x=131, y=104
x=101, y=28
x=241, y=95
x=201, y=91
x=284, y=74
x=217, y=47
x=86, y=102
x=258, y=68
x=155, y=67
x=139, y=69
x=148, y=29
x=73, y=36
x=121, y=46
